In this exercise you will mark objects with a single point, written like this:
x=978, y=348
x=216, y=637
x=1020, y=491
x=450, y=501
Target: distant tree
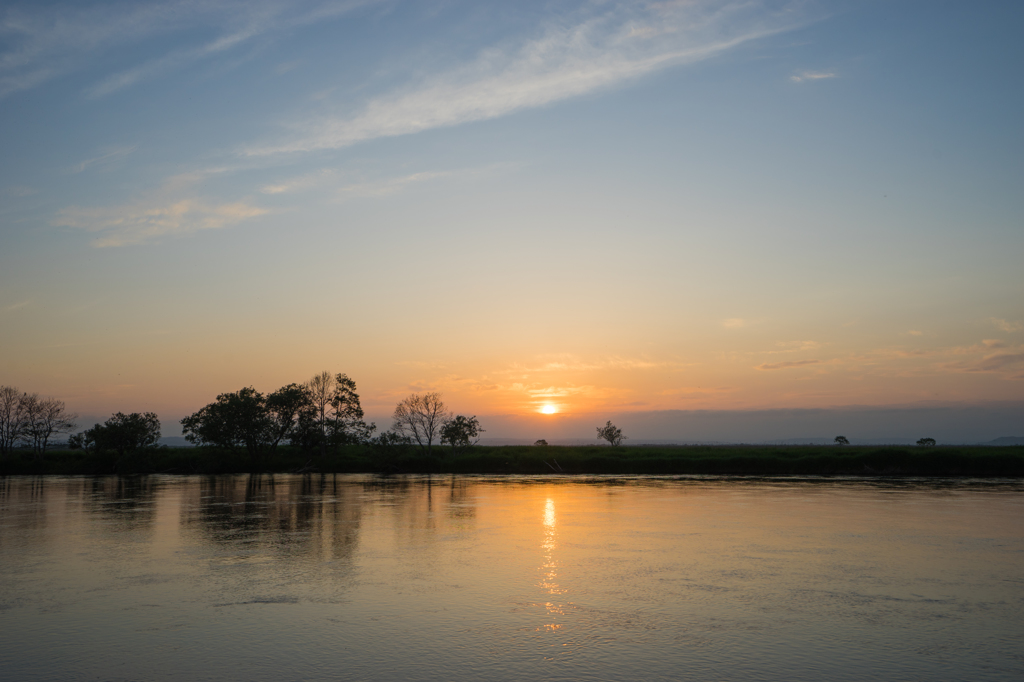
x=122, y=433
x=386, y=449
x=421, y=418
x=315, y=422
x=40, y=419
x=460, y=432
x=610, y=433
x=333, y=416
x=841, y=440
x=927, y=442
x=347, y=421
x=13, y=418
x=235, y=421
x=541, y=442
x=284, y=408
x=83, y=440
x=53, y=419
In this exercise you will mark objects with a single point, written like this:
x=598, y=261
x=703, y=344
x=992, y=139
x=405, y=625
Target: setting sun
x=548, y=408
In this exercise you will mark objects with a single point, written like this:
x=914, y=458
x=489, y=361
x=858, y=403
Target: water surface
x=459, y=578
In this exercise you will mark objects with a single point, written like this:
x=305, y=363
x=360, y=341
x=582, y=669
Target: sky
x=596, y=209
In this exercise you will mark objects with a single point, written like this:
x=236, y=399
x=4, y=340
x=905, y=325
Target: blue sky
x=609, y=206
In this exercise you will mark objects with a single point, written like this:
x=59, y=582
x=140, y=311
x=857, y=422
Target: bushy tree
x=122, y=433
x=841, y=440
x=610, y=433
x=926, y=442
x=421, y=418
x=324, y=412
x=460, y=432
x=235, y=421
x=284, y=408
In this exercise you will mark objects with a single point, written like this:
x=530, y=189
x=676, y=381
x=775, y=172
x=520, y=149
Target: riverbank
x=946, y=461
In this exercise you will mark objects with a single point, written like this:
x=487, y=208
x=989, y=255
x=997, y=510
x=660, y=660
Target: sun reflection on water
x=549, y=568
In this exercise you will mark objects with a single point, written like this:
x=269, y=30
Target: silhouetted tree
x=841, y=440
x=26, y=418
x=421, y=418
x=541, y=442
x=347, y=424
x=321, y=390
x=927, y=442
x=123, y=433
x=610, y=433
x=42, y=419
x=333, y=416
x=284, y=407
x=83, y=440
x=13, y=418
x=235, y=421
x=460, y=432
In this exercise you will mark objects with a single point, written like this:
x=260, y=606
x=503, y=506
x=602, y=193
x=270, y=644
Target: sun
x=548, y=408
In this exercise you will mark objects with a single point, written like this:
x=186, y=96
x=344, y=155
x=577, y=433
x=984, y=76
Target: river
x=503, y=578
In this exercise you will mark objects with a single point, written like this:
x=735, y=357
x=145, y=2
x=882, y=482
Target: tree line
x=321, y=416
x=318, y=417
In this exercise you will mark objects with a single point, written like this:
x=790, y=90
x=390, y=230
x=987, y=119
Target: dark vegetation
x=393, y=454
x=318, y=426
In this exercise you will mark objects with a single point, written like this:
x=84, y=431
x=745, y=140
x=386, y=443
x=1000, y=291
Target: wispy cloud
x=794, y=347
x=14, y=306
x=167, y=213
x=626, y=41
x=42, y=43
x=19, y=191
x=997, y=363
x=304, y=182
x=1006, y=325
x=805, y=76
x=138, y=223
x=734, y=323
x=786, y=365
x=328, y=178
x=387, y=187
x=570, y=363
x=110, y=156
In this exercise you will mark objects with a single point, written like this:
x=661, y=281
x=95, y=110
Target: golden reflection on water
x=549, y=569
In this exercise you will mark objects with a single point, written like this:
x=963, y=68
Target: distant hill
x=1007, y=440
x=175, y=442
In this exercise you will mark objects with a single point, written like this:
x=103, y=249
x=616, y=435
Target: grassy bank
x=723, y=460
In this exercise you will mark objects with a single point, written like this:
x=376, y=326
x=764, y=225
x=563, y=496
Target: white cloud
x=627, y=41
x=812, y=76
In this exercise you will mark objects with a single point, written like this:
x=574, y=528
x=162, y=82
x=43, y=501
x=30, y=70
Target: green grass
x=967, y=461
